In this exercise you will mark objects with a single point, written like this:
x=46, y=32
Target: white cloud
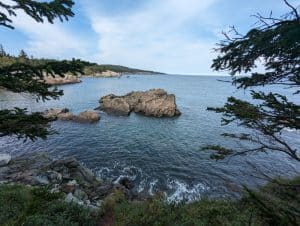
x=155, y=36
x=48, y=40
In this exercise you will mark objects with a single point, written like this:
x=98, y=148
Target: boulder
x=88, y=116
x=155, y=102
x=58, y=113
x=115, y=105
x=64, y=114
x=4, y=159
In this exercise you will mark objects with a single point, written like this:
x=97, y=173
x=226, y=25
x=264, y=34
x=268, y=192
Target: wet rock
x=70, y=162
x=4, y=159
x=104, y=190
x=155, y=102
x=126, y=182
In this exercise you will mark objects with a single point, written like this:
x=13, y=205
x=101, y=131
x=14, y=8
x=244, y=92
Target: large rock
x=58, y=113
x=155, y=102
x=4, y=159
x=64, y=114
x=58, y=80
x=88, y=116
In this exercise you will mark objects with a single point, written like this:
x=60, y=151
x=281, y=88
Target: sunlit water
x=159, y=154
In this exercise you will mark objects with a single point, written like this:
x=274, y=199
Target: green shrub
x=21, y=205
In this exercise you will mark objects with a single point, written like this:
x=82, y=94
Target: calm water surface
x=158, y=154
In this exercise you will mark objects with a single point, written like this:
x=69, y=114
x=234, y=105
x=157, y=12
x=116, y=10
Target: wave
x=182, y=192
x=175, y=191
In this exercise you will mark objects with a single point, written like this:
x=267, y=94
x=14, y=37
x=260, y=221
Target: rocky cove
x=78, y=183
x=159, y=154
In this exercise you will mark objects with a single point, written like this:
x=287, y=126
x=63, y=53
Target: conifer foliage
x=24, y=77
x=275, y=43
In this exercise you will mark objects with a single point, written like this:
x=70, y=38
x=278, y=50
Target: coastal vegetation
x=89, y=69
x=23, y=205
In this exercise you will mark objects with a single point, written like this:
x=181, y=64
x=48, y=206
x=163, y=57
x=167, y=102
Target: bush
x=21, y=205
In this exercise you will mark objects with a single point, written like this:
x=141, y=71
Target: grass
x=21, y=205
x=277, y=203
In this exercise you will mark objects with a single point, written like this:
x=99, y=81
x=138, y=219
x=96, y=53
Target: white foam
x=151, y=187
x=184, y=192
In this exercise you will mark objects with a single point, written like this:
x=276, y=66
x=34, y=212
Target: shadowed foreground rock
x=88, y=116
x=155, y=102
x=78, y=183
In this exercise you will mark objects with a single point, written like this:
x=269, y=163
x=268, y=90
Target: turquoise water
x=158, y=154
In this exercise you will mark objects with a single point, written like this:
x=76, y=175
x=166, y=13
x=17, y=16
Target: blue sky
x=173, y=36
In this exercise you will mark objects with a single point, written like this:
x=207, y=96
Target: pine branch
x=20, y=123
x=39, y=11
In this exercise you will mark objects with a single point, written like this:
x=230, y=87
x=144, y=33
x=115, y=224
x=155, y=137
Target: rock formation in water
x=64, y=114
x=58, y=80
x=154, y=102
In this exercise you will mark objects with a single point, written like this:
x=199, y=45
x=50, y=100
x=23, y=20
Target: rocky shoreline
x=68, y=176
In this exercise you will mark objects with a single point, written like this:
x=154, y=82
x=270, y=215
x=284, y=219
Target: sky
x=171, y=36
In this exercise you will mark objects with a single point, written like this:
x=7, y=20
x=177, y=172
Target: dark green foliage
x=22, y=75
x=39, y=11
x=2, y=51
x=20, y=205
x=276, y=44
x=204, y=212
x=18, y=122
x=278, y=202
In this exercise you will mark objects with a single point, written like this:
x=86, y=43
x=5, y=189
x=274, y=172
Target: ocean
x=159, y=154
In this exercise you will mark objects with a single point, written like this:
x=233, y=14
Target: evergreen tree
x=2, y=51
x=25, y=77
x=23, y=54
x=276, y=43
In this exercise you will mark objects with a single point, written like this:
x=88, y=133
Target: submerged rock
x=88, y=116
x=155, y=102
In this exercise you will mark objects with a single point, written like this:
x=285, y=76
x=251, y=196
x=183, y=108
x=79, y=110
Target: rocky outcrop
x=155, y=102
x=68, y=176
x=88, y=116
x=58, y=80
